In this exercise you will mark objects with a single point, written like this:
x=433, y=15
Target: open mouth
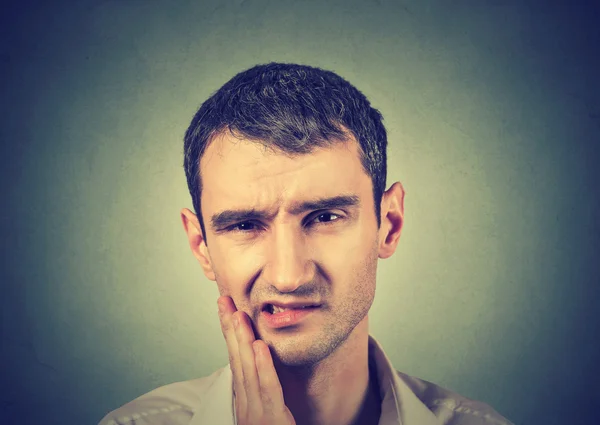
x=275, y=317
x=273, y=309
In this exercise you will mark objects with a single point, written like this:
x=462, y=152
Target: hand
x=259, y=396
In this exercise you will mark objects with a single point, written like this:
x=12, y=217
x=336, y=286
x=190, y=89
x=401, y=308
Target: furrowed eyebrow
x=230, y=217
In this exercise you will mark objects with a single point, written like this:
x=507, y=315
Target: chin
x=295, y=358
x=304, y=352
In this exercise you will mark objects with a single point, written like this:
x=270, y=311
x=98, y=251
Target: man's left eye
x=328, y=214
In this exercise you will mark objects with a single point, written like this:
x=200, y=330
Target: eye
x=328, y=216
x=243, y=227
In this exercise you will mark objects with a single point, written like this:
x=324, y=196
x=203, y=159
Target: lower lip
x=288, y=317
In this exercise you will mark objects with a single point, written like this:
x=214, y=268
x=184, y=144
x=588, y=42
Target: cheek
x=365, y=272
x=353, y=268
x=240, y=254
x=234, y=267
x=348, y=253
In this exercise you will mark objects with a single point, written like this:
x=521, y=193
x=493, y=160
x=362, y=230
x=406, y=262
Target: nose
x=288, y=265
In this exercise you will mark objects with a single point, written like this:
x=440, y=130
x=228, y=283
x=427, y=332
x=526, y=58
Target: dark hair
x=291, y=109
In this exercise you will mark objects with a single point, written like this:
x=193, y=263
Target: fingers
x=259, y=396
x=245, y=338
x=226, y=310
x=270, y=387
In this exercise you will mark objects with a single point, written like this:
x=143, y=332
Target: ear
x=392, y=219
x=197, y=242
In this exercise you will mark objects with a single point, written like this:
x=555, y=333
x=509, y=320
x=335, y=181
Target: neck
x=340, y=390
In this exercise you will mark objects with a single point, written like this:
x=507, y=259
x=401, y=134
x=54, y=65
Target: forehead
x=238, y=173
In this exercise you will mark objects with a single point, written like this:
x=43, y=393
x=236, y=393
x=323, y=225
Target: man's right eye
x=243, y=227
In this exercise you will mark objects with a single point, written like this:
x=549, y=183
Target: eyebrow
x=229, y=217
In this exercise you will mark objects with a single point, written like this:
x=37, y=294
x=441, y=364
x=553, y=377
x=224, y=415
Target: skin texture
x=328, y=256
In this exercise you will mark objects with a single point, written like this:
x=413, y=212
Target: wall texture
x=493, y=115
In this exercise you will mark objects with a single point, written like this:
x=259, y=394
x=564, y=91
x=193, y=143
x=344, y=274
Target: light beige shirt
x=209, y=401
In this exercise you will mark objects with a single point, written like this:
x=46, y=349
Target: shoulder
x=451, y=408
x=173, y=403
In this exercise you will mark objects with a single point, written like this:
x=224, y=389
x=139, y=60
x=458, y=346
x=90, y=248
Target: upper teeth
x=277, y=309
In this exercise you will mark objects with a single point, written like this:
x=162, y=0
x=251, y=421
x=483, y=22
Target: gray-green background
x=493, y=120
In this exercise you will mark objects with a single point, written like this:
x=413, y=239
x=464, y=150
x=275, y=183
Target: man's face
x=328, y=256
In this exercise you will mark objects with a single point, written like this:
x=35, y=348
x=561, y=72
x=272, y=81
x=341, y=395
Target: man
x=286, y=166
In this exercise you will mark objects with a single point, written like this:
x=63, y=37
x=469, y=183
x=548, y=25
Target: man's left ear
x=392, y=219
